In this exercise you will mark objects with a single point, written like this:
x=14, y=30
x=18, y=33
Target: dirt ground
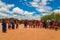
x=29, y=34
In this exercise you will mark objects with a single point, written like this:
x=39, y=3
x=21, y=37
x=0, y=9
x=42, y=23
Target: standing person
x=34, y=24
x=47, y=24
x=25, y=25
x=9, y=24
x=13, y=24
x=4, y=26
x=16, y=23
x=30, y=24
x=56, y=26
x=26, y=22
x=40, y=24
x=51, y=24
x=44, y=24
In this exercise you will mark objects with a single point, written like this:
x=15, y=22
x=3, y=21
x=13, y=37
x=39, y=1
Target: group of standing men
x=10, y=24
x=40, y=24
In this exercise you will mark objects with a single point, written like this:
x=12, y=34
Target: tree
x=52, y=16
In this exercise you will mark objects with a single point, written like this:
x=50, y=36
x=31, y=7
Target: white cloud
x=17, y=10
x=3, y=14
x=36, y=0
x=31, y=17
x=36, y=17
x=45, y=14
x=34, y=4
x=44, y=2
x=2, y=9
x=5, y=7
x=44, y=9
x=10, y=5
x=56, y=11
x=41, y=10
x=28, y=13
x=25, y=3
x=40, y=5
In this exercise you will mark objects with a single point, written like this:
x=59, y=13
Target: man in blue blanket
x=4, y=26
x=25, y=25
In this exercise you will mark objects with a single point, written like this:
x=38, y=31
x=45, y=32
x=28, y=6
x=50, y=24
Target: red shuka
x=40, y=24
x=56, y=25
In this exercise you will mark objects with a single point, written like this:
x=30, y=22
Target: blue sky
x=28, y=9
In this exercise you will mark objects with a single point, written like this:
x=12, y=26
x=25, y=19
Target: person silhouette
x=16, y=22
x=4, y=26
x=9, y=24
x=25, y=25
x=12, y=24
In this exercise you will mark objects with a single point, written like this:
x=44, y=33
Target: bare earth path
x=30, y=34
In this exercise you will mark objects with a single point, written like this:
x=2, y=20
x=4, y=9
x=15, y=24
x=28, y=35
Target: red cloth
x=56, y=25
x=26, y=22
x=39, y=23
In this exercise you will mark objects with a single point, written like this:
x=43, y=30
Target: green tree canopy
x=51, y=16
